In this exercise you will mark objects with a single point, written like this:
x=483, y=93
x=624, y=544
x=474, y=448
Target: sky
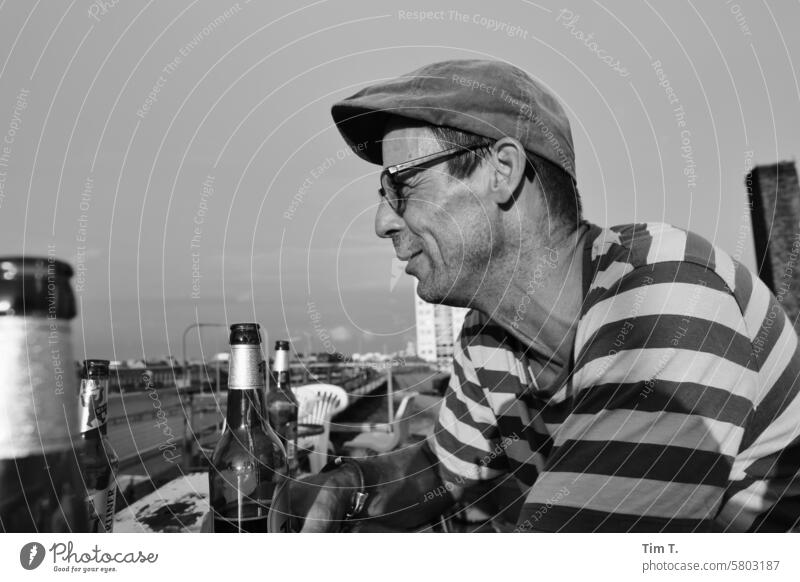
x=181, y=155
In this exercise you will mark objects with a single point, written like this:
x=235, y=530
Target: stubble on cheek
x=480, y=256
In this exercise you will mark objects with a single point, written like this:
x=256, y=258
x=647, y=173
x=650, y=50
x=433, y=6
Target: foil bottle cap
x=281, y=363
x=245, y=372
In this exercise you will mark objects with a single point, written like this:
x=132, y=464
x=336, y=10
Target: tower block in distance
x=774, y=196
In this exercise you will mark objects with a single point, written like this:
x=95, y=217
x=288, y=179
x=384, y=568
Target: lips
x=408, y=257
x=411, y=262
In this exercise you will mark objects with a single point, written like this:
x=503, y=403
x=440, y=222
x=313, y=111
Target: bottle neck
x=245, y=387
x=282, y=381
x=245, y=408
x=281, y=367
x=280, y=370
x=244, y=372
x=281, y=361
x=94, y=406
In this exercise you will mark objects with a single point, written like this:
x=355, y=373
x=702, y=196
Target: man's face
x=448, y=232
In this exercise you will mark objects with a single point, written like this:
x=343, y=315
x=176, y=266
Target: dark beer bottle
x=97, y=458
x=40, y=483
x=282, y=404
x=248, y=467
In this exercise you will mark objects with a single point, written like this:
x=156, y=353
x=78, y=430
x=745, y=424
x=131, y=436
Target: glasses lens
x=390, y=191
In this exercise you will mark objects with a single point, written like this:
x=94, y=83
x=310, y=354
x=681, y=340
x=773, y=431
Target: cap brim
x=362, y=128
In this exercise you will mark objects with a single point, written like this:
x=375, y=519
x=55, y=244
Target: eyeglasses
x=391, y=187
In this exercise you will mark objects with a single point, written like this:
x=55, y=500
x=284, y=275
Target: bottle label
x=37, y=386
x=94, y=404
x=100, y=504
x=245, y=368
x=281, y=361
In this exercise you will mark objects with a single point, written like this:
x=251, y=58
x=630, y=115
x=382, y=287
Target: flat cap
x=487, y=98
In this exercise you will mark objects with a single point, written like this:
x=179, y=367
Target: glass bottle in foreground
x=97, y=458
x=248, y=467
x=40, y=483
x=282, y=404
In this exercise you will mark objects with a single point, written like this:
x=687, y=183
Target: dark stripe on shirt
x=743, y=282
x=699, y=251
x=559, y=518
x=781, y=395
x=641, y=461
x=781, y=464
x=467, y=453
x=663, y=395
x=667, y=331
x=471, y=391
x=769, y=331
x=462, y=413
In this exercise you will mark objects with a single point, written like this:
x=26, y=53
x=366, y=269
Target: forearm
x=404, y=487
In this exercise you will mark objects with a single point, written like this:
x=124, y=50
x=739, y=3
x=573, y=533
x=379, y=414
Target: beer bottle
x=282, y=404
x=248, y=467
x=97, y=458
x=40, y=483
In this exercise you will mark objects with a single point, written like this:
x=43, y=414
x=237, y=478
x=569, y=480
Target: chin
x=442, y=294
x=427, y=294
x=428, y=290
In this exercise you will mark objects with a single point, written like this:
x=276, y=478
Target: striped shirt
x=680, y=411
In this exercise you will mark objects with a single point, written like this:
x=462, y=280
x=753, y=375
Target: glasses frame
x=390, y=172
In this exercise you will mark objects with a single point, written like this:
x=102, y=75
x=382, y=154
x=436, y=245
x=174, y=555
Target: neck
x=542, y=298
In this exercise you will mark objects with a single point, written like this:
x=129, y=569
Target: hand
x=320, y=501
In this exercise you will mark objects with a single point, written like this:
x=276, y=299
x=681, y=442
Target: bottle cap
x=36, y=287
x=245, y=334
x=95, y=369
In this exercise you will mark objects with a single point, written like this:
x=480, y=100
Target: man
x=634, y=378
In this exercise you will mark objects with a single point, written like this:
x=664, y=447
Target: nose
x=387, y=222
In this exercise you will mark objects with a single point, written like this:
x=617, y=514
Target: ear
x=507, y=172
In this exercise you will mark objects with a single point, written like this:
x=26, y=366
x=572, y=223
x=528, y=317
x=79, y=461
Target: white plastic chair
x=318, y=403
x=384, y=437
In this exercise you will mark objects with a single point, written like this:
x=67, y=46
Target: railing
x=136, y=379
x=212, y=377
x=357, y=381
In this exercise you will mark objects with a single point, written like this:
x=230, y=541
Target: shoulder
x=664, y=282
x=660, y=249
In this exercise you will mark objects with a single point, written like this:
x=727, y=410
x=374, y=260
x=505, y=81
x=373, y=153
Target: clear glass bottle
x=40, y=483
x=98, y=460
x=282, y=404
x=248, y=468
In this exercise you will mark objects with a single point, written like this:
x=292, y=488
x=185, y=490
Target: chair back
x=317, y=404
x=402, y=423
